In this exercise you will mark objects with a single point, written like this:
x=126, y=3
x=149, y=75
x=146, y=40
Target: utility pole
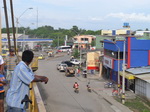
x=58, y=42
x=13, y=26
x=66, y=40
x=17, y=22
x=23, y=44
x=80, y=56
x=123, y=78
x=37, y=18
x=7, y=25
x=118, y=63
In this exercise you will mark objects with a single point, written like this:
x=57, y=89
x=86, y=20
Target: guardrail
x=37, y=102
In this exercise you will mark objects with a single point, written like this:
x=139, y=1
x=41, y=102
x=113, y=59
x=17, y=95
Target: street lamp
x=23, y=41
x=118, y=67
x=17, y=22
x=123, y=78
x=118, y=61
x=57, y=41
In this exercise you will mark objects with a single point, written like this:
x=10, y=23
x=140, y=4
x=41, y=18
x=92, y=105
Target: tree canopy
x=57, y=34
x=50, y=32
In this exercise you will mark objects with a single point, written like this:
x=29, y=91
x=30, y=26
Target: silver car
x=61, y=67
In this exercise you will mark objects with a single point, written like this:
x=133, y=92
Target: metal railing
x=37, y=102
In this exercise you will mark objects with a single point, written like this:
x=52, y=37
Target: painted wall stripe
x=148, y=57
x=129, y=53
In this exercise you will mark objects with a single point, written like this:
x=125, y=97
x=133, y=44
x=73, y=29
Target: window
x=86, y=39
x=102, y=44
x=113, y=54
x=82, y=39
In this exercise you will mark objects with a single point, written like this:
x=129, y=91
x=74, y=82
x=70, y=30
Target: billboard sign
x=108, y=62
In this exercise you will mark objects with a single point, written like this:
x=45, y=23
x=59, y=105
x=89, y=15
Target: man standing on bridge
x=11, y=62
x=19, y=84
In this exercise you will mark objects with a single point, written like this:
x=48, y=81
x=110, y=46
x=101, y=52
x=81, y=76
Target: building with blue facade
x=137, y=60
x=110, y=61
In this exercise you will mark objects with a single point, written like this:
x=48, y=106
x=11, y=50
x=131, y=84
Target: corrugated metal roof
x=140, y=70
x=145, y=77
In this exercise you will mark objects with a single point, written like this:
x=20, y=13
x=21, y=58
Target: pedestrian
x=22, y=77
x=1, y=65
x=68, y=52
x=11, y=62
x=78, y=72
x=2, y=92
x=92, y=72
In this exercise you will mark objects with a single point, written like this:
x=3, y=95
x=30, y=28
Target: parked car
x=69, y=64
x=70, y=71
x=61, y=67
x=75, y=61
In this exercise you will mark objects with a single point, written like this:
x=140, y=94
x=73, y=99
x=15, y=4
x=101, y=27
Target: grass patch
x=137, y=104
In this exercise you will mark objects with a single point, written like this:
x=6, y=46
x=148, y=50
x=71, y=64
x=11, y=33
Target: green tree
x=93, y=43
x=76, y=53
x=49, y=32
x=146, y=29
x=58, y=42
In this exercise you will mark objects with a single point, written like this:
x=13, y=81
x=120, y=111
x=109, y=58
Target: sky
x=86, y=14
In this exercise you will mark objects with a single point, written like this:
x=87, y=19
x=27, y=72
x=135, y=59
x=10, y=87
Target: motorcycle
x=76, y=90
x=109, y=85
x=84, y=74
x=89, y=88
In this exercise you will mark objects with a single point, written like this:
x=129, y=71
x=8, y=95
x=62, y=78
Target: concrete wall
x=148, y=91
x=142, y=88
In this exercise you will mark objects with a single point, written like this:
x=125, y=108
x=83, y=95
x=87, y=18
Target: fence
x=37, y=102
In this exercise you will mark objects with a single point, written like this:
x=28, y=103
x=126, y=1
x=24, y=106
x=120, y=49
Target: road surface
x=58, y=94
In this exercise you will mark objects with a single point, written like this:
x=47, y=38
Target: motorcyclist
x=85, y=73
x=76, y=85
x=68, y=52
x=88, y=87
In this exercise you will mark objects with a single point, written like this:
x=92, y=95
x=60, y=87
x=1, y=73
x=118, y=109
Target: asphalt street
x=58, y=94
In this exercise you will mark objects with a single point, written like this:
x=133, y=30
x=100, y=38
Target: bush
x=76, y=53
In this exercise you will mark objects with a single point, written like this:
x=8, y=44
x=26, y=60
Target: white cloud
x=96, y=19
x=139, y=17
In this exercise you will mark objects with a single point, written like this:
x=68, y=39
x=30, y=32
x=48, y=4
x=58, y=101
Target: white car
x=75, y=61
x=61, y=67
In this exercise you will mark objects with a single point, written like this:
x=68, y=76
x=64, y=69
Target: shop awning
x=127, y=75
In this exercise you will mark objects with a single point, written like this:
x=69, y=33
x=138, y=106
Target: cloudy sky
x=86, y=14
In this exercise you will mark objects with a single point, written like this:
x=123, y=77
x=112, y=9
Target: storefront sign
x=92, y=60
x=108, y=62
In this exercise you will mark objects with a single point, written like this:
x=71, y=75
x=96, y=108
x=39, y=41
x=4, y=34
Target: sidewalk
x=97, y=86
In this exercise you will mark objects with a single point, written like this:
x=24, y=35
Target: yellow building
x=116, y=32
